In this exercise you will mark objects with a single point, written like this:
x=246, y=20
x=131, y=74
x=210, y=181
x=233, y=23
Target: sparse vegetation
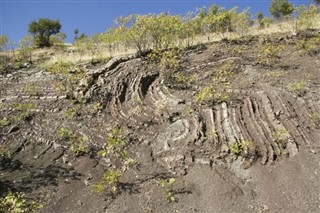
x=175, y=106
x=115, y=148
x=73, y=111
x=270, y=54
x=315, y=118
x=5, y=153
x=275, y=74
x=78, y=143
x=24, y=111
x=18, y=203
x=31, y=89
x=298, y=87
x=4, y=122
x=110, y=179
x=216, y=92
x=68, y=77
x=242, y=147
x=280, y=136
x=310, y=46
x=166, y=184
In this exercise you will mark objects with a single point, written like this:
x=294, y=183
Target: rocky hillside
x=231, y=126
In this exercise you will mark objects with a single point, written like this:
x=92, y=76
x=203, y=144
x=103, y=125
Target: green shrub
x=243, y=147
x=167, y=185
x=25, y=111
x=110, y=179
x=78, y=142
x=18, y=203
x=298, y=87
x=60, y=67
x=281, y=8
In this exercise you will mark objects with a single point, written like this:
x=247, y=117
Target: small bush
x=25, y=111
x=243, y=147
x=298, y=87
x=78, y=142
x=315, y=118
x=167, y=185
x=18, y=203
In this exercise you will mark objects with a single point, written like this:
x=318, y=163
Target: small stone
x=65, y=159
x=202, y=161
x=89, y=177
x=225, y=148
x=264, y=208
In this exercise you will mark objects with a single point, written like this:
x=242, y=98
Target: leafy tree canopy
x=43, y=29
x=3, y=42
x=281, y=8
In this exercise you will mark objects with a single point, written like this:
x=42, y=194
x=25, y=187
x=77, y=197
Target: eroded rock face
x=263, y=122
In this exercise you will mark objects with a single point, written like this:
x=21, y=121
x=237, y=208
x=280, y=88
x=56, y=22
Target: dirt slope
x=248, y=143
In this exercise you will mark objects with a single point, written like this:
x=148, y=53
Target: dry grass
x=70, y=53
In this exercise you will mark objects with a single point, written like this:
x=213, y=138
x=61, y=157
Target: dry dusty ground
x=265, y=99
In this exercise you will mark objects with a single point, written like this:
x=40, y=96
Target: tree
x=220, y=22
x=42, y=30
x=90, y=44
x=26, y=46
x=3, y=42
x=190, y=27
x=317, y=1
x=281, y=8
x=76, y=32
x=306, y=16
x=58, y=39
x=260, y=18
x=241, y=22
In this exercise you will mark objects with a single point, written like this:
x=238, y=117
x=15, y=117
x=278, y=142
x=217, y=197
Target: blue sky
x=97, y=15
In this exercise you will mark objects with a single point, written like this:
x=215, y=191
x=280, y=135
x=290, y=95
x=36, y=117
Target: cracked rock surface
x=169, y=134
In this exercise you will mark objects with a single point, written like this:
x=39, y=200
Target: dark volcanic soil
x=264, y=98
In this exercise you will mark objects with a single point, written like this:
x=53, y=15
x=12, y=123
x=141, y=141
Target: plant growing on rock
x=5, y=153
x=115, y=148
x=298, y=87
x=310, y=46
x=270, y=54
x=216, y=92
x=18, y=203
x=280, y=136
x=4, y=122
x=67, y=77
x=31, y=89
x=109, y=179
x=25, y=111
x=73, y=111
x=78, y=142
x=166, y=184
x=315, y=118
x=242, y=147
